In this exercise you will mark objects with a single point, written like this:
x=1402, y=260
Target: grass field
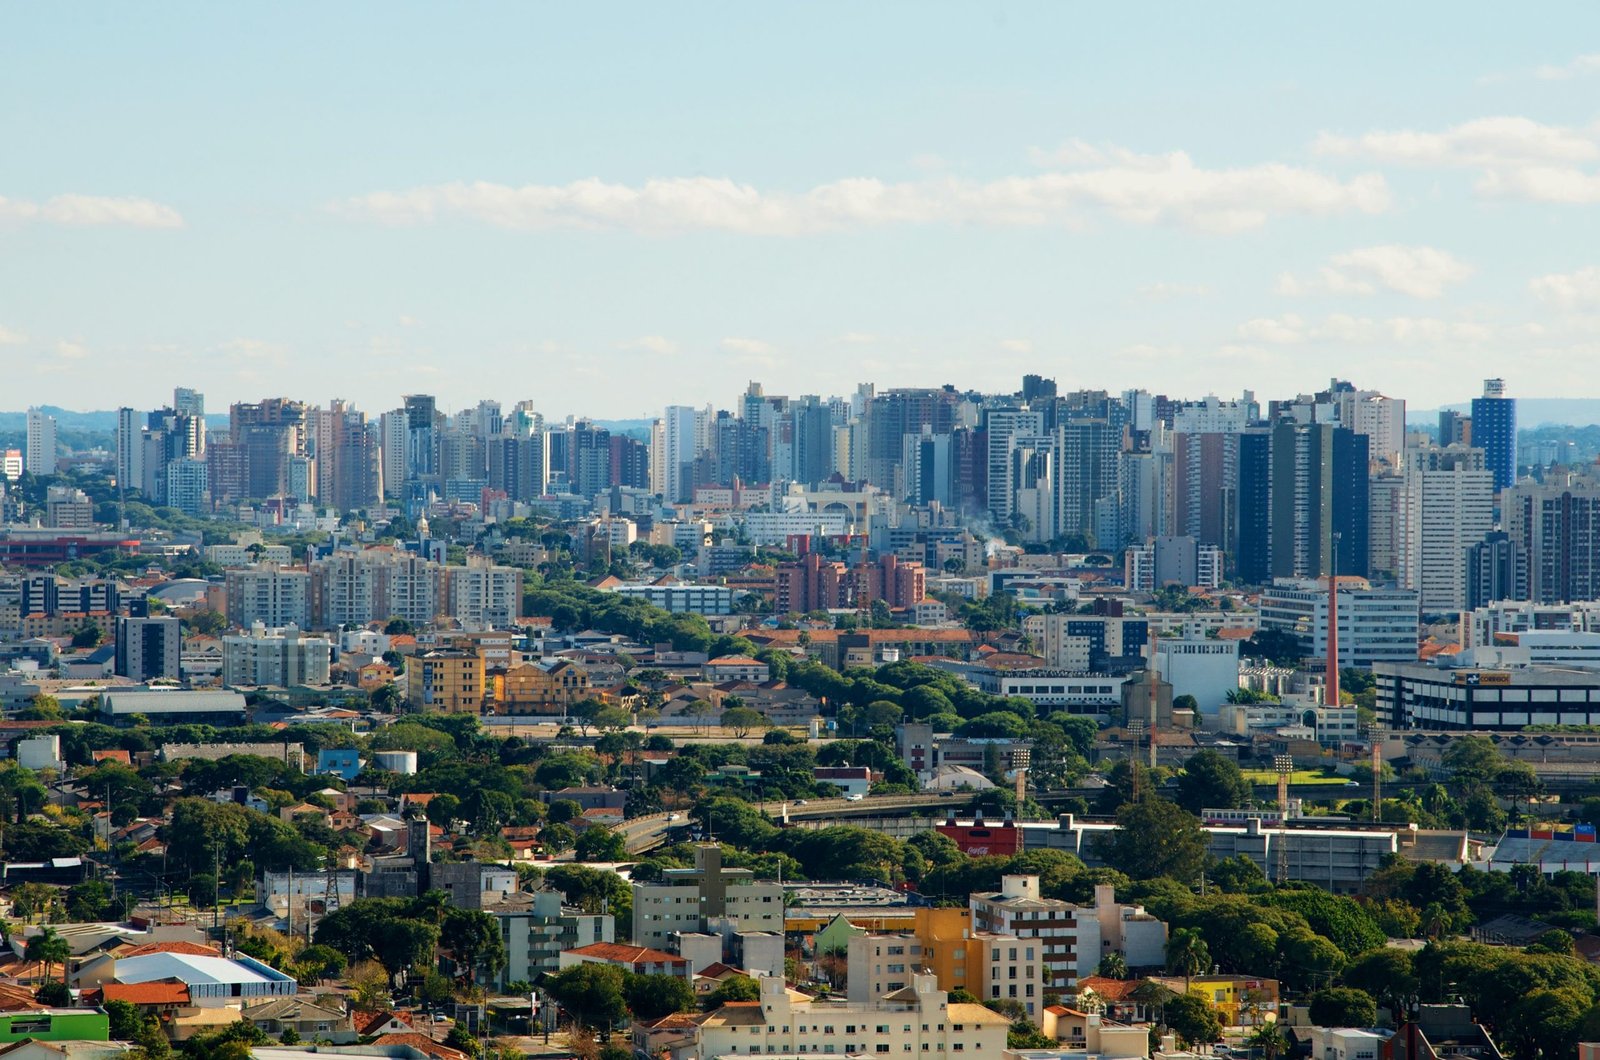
x=1298, y=777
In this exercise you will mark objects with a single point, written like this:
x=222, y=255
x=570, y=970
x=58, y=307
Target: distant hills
x=1531, y=412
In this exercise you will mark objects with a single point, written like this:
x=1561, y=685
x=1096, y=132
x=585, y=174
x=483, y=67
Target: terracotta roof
x=1110, y=989
x=735, y=660
x=616, y=951
x=15, y=998
x=191, y=949
x=369, y=1022
x=163, y=992
x=113, y=756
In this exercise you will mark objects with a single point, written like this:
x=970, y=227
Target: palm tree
x=1269, y=1038
x=1187, y=955
x=49, y=949
x=1113, y=966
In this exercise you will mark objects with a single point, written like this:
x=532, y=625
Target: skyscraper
x=39, y=457
x=1320, y=494
x=1448, y=508
x=130, y=450
x=1494, y=430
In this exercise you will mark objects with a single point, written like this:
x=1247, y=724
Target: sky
x=608, y=208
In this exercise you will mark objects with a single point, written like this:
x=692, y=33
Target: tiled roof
x=192, y=949
x=164, y=992
x=623, y=954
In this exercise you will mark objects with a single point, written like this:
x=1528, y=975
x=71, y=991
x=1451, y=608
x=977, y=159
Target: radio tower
x=1284, y=765
x=1377, y=778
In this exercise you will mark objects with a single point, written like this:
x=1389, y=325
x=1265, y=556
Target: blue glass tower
x=1494, y=430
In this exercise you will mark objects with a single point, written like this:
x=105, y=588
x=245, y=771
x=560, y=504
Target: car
x=947, y=794
x=799, y=802
x=854, y=798
x=674, y=817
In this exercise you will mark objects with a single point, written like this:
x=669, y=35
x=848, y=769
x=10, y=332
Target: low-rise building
x=684, y=900
x=639, y=960
x=918, y=1020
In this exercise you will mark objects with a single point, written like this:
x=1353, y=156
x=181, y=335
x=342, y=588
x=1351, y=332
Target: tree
x=734, y=988
x=49, y=949
x=1187, y=954
x=592, y=993
x=474, y=937
x=1154, y=837
x=598, y=843
x=1387, y=974
x=1113, y=966
x=202, y=890
x=1343, y=1006
x=369, y=986
x=741, y=721
x=1211, y=781
x=124, y=1018
x=1192, y=1019
x=1269, y=1038
x=653, y=996
x=87, y=637
x=462, y=1039
x=557, y=837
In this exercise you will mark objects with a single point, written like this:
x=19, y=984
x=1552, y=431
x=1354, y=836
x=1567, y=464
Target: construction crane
x=1284, y=764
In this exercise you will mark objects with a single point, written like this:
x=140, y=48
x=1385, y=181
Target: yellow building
x=1239, y=1001
x=449, y=682
x=530, y=689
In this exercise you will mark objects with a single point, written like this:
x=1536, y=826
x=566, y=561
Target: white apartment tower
x=1448, y=506
x=39, y=456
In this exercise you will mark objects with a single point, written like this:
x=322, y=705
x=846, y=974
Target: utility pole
x=1284, y=764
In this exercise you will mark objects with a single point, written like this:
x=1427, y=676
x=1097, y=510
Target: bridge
x=643, y=834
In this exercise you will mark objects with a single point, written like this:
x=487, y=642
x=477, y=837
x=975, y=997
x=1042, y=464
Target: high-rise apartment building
x=148, y=649
x=1494, y=430
x=1448, y=508
x=39, y=450
x=130, y=449
x=1497, y=569
x=268, y=436
x=1319, y=498
x=1557, y=524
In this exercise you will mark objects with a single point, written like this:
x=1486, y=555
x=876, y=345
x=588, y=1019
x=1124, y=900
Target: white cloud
x=1276, y=330
x=11, y=338
x=1161, y=292
x=1485, y=143
x=1421, y=272
x=656, y=344
x=1568, y=290
x=753, y=347
x=71, y=351
x=1582, y=65
x=1352, y=330
x=1016, y=345
x=92, y=210
x=1559, y=184
x=1142, y=189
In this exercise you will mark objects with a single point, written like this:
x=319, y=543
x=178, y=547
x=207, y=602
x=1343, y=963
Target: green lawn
x=1298, y=777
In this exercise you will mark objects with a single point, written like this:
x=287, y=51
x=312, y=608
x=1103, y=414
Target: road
x=643, y=834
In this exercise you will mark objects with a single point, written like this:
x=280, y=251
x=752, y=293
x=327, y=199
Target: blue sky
x=611, y=208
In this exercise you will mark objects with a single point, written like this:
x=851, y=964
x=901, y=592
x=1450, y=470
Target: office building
x=1494, y=430
x=1375, y=625
x=1101, y=643
x=1484, y=625
x=1418, y=696
x=149, y=649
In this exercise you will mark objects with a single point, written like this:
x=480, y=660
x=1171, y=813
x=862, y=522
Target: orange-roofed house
x=641, y=960
x=385, y=1022
x=737, y=668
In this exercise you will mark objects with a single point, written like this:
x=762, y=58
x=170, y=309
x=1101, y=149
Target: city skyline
x=602, y=222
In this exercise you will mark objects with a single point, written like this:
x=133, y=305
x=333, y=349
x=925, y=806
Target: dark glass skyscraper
x=1494, y=430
